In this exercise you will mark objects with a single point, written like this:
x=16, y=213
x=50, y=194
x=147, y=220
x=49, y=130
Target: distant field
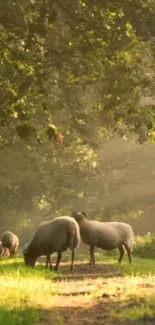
x=104, y=294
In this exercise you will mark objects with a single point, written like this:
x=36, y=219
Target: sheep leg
x=59, y=255
x=13, y=251
x=48, y=260
x=72, y=260
x=121, y=249
x=92, y=255
x=128, y=249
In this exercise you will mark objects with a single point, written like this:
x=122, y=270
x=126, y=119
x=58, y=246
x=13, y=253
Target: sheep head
x=29, y=260
x=79, y=216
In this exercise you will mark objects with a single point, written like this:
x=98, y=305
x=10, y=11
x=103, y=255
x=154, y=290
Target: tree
x=71, y=76
x=74, y=50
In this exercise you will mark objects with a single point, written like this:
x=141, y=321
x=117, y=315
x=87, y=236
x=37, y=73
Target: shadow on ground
x=88, y=302
x=103, y=311
x=106, y=310
x=82, y=270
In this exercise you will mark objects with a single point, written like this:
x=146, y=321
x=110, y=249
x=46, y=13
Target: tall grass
x=22, y=290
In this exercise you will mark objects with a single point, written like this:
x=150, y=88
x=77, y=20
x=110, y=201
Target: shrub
x=144, y=246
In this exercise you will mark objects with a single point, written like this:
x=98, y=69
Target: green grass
x=18, y=316
x=22, y=289
x=139, y=265
x=137, y=313
x=39, y=296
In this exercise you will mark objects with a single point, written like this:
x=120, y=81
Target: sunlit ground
x=103, y=294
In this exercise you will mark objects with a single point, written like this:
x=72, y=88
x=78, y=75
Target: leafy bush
x=144, y=246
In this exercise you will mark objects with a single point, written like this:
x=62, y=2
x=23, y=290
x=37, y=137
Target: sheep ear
x=73, y=214
x=85, y=214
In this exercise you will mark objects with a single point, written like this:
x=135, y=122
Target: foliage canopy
x=83, y=65
x=71, y=75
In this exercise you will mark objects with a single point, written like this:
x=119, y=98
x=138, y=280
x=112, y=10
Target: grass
x=107, y=293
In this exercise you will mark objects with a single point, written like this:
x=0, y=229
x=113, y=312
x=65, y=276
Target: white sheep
x=105, y=235
x=10, y=241
x=52, y=236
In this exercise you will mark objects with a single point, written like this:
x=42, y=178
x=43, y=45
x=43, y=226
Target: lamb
x=52, y=236
x=105, y=235
x=10, y=241
x=3, y=251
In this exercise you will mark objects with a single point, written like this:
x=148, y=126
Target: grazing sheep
x=52, y=236
x=48, y=259
x=10, y=241
x=105, y=235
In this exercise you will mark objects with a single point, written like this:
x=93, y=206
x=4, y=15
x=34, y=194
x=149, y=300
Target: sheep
x=10, y=241
x=105, y=235
x=48, y=259
x=3, y=251
x=52, y=236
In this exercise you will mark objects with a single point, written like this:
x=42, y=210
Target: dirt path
x=100, y=295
